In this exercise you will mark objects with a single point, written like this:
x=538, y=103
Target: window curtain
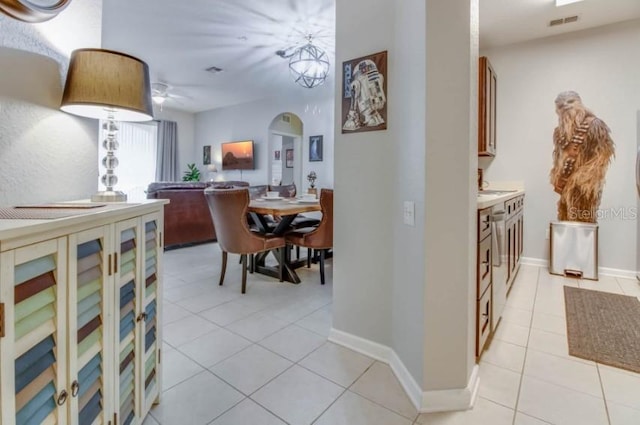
x=167, y=162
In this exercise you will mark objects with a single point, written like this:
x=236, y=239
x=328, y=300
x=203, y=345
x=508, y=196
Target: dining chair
x=318, y=238
x=286, y=191
x=228, y=209
x=256, y=192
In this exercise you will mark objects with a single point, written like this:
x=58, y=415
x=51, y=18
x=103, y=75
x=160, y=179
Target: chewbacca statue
x=582, y=152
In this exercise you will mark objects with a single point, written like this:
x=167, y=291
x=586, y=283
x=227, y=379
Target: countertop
x=486, y=201
x=11, y=229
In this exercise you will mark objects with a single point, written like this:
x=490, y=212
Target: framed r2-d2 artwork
x=364, y=93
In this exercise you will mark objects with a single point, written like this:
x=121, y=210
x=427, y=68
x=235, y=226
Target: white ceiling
x=512, y=21
x=180, y=39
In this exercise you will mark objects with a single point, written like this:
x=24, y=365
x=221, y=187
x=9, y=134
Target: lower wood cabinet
x=484, y=273
x=80, y=341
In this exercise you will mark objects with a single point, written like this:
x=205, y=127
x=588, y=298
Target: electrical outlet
x=409, y=213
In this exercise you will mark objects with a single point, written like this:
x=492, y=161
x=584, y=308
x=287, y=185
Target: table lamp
x=108, y=85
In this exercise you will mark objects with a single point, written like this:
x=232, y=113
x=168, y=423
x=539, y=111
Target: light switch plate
x=409, y=213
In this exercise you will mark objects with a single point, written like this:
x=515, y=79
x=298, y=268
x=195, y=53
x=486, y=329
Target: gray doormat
x=603, y=327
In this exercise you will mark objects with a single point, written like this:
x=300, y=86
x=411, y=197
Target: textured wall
x=45, y=155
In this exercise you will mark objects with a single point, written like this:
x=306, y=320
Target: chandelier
x=309, y=64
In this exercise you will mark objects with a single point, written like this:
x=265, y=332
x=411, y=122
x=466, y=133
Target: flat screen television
x=238, y=155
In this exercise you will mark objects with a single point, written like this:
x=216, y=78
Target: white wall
x=450, y=195
x=411, y=288
x=365, y=169
x=287, y=173
x=187, y=151
x=602, y=65
x=408, y=107
x=45, y=155
x=251, y=121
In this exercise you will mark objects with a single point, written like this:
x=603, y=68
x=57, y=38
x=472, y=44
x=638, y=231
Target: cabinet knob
x=75, y=388
x=62, y=397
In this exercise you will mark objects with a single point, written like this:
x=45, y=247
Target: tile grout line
x=604, y=398
x=524, y=361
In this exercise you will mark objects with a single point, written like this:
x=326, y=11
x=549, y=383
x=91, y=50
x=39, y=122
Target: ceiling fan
x=161, y=92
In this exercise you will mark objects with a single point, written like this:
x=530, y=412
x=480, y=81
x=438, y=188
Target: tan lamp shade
x=102, y=81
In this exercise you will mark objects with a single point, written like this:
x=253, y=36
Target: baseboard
x=409, y=384
x=361, y=345
x=537, y=262
x=449, y=400
x=604, y=271
x=424, y=401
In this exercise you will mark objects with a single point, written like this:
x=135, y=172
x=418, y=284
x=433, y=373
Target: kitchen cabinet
x=500, y=240
x=60, y=287
x=514, y=209
x=484, y=275
x=487, y=91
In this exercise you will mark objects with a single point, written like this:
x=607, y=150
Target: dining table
x=275, y=215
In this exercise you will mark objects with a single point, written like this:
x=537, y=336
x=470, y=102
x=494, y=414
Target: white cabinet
x=33, y=352
x=137, y=339
x=80, y=342
x=90, y=325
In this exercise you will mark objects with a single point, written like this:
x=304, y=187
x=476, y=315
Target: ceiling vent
x=286, y=117
x=214, y=69
x=562, y=21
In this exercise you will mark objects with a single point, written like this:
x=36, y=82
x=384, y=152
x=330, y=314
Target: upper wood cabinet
x=487, y=108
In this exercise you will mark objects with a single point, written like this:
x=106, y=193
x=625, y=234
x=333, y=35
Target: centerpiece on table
x=311, y=178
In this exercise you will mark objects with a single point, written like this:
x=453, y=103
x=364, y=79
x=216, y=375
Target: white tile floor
x=262, y=358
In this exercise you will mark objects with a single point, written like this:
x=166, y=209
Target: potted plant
x=192, y=175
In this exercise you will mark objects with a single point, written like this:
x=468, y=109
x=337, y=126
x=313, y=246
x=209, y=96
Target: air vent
x=286, y=118
x=562, y=21
x=214, y=69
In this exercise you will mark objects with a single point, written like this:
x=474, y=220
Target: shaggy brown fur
x=582, y=152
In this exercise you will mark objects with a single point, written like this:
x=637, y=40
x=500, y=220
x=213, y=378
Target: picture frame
x=206, y=155
x=276, y=155
x=315, y=148
x=364, y=93
x=288, y=158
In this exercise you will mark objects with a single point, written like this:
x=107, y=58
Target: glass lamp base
x=109, y=196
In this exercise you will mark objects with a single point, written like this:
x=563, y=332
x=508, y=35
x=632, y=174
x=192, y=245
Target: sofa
x=187, y=219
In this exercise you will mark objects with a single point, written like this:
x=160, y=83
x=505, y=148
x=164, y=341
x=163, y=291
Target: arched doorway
x=285, y=150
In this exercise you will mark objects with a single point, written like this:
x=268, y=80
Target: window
x=138, y=145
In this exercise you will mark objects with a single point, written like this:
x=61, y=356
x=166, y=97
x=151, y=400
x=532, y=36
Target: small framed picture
x=315, y=148
x=289, y=158
x=206, y=155
x=276, y=155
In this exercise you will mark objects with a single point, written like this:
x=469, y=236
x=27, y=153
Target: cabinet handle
x=62, y=397
x=75, y=388
x=115, y=262
x=141, y=316
x=109, y=265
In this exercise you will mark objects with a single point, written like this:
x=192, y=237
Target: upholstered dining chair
x=319, y=238
x=286, y=191
x=228, y=209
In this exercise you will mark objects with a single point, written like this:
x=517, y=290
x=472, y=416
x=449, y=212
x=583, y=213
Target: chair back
x=256, y=192
x=286, y=191
x=322, y=237
x=228, y=209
